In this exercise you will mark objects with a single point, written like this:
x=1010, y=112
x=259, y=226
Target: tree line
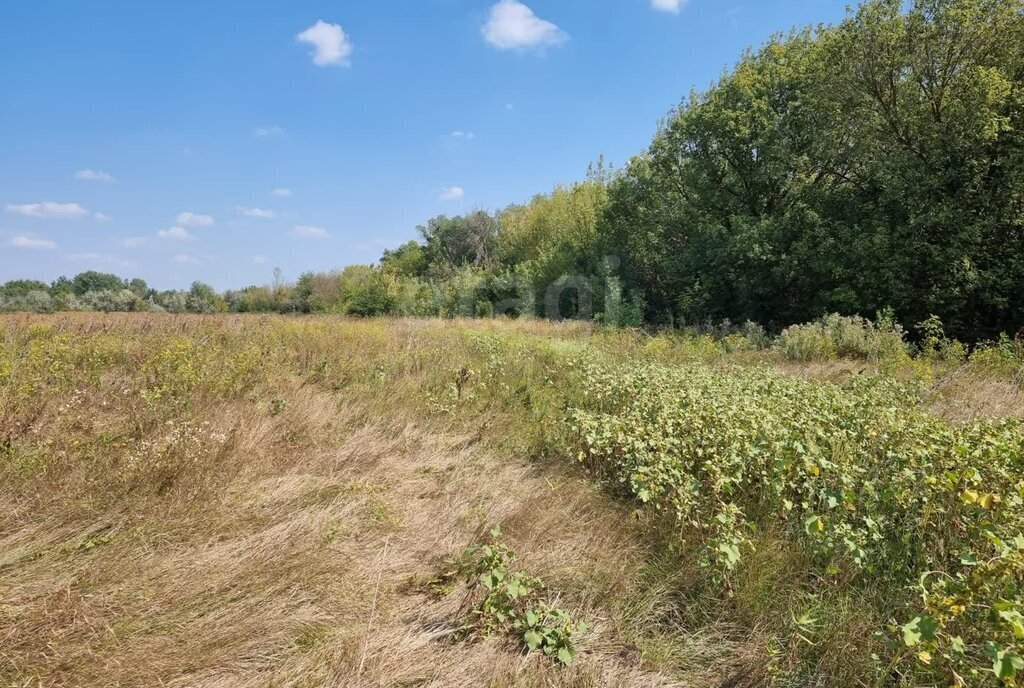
x=874, y=165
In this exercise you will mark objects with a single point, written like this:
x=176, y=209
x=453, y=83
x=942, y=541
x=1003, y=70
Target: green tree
x=96, y=281
x=139, y=287
x=22, y=287
x=408, y=260
x=878, y=163
x=454, y=242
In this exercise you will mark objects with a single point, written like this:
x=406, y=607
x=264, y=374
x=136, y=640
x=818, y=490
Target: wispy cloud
x=257, y=260
x=32, y=243
x=331, y=46
x=194, y=220
x=452, y=193
x=186, y=259
x=257, y=212
x=268, y=131
x=133, y=242
x=175, y=234
x=49, y=209
x=308, y=232
x=513, y=26
x=89, y=257
x=89, y=175
x=282, y=192
x=460, y=136
x=672, y=6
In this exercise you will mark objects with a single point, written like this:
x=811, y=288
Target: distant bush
x=936, y=346
x=621, y=310
x=110, y=301
x=34, y=301
x=1005, y=356
x=838, y=336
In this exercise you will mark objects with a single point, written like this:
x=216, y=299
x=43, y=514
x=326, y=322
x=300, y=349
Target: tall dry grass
x=251, y=502
x=257, y=500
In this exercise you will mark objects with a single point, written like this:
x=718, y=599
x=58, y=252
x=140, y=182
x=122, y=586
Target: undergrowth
x=858, y=538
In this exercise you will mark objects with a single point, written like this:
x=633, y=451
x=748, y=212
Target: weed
x=513, y=603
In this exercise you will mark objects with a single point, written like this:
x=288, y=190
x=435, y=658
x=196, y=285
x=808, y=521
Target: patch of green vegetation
x=515, y=603
x=875, y=492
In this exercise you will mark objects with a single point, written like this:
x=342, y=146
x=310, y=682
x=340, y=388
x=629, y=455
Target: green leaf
x=731, y=552
x=1016, y=621
x=533, y=639
x=920, y=628
x=565, y=656
x=813, y=524
x=1007, y=664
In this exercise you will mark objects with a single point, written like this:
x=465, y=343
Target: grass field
x=273, y=501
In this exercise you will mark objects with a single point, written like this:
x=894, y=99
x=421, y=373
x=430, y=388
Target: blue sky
x=215, y=140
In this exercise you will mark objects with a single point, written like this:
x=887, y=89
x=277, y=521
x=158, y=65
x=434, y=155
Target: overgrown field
x=254, y=501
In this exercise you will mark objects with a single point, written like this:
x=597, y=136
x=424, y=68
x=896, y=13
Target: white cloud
x=282, y=192
x=49, y=209
x=88, y=175
x=512, y=25
x=102, y=217
x=460, y=136
x=452, y=193
x=268, y=131
x=307, y=232
x=672, y=6
x=330, y=44
x=32, y=243
x=257, y=260
x=133, y=242
x=186, y=259
x=90, y=257
x=175, y=234
x=257, y=212
x=194, y=220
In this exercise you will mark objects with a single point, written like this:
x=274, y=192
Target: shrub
x=838, y=336
x=621, y=310
x=34, y=301
x=935, y=346
x=122, y=300
x=877, y=493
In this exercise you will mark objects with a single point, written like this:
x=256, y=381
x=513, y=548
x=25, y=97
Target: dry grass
x=274, y=521
x=229, y=546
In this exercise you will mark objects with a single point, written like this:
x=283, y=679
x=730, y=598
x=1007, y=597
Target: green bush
x=1004, y=357
x=879, y=494
x=838, y=336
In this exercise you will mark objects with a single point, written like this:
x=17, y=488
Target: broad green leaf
x=920, y=628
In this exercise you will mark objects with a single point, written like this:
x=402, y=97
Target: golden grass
x=227, y=546
x=257, y=501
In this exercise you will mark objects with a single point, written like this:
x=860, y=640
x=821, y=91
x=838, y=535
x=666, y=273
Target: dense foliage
x=876, y=492
x=876, y=164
